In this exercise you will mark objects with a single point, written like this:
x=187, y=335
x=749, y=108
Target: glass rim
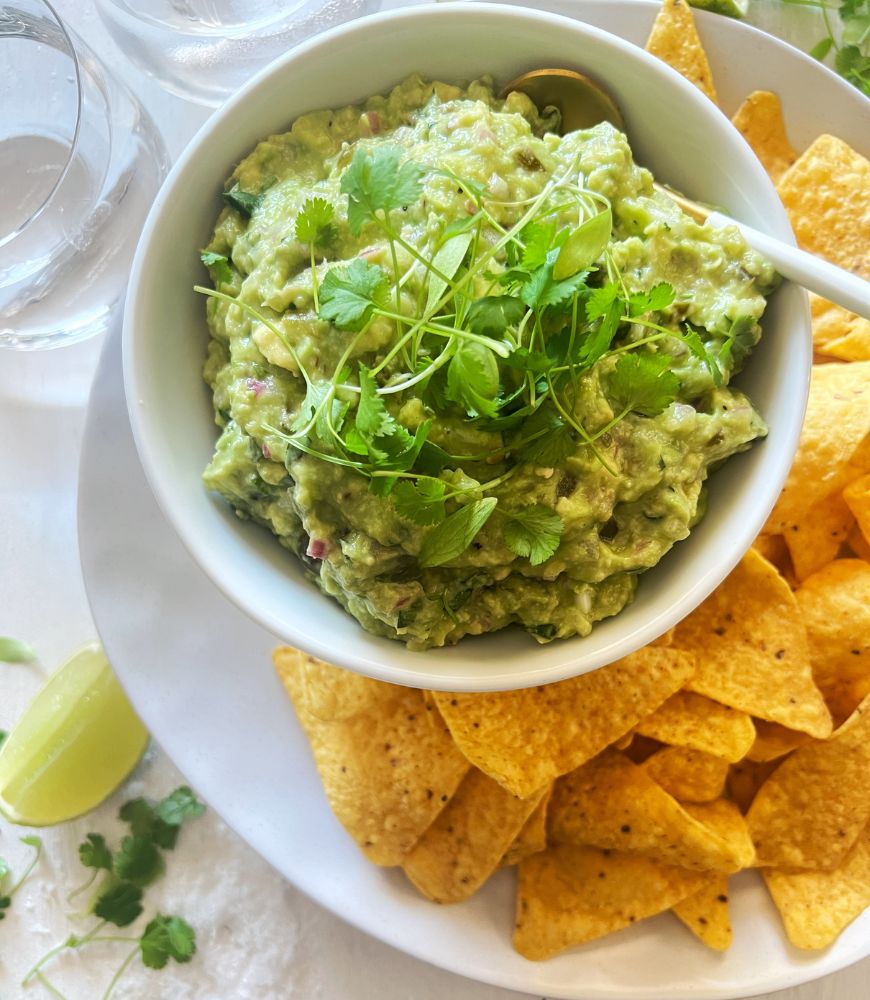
x=71, y=49
x=203, y=31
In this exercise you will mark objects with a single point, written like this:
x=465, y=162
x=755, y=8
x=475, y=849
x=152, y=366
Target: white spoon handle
x=813, y=273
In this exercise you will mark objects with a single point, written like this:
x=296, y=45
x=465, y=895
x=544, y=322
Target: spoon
x=582, y=103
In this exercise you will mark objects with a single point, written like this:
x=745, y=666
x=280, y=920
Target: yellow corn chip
x=533, y=836
x=386, y=769
x=817, y=538
x=857, y=496
x=705, y=913
x=612, y=803
x=836, y=424
x=569, y=895
x=816, y=906
x=674, y=39
x=752, y=649
x=524, y=739
x=724, y=818
x=809, y=812
x=775, y=551
x=759, y=120
x=827, y=196
x=468, y=838
x=839, y=333
x=691, y=720
x=858, y=544
x=773, y=741
x=688, y=775
x=835, y=606
x=745, y=778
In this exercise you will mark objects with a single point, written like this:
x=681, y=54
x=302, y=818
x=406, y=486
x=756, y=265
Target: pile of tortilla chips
x=740, y=740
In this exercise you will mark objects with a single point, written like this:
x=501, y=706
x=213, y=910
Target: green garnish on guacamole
x=471, y=372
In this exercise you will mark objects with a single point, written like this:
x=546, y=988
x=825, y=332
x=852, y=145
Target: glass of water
x=204, y=50
x=80, y=163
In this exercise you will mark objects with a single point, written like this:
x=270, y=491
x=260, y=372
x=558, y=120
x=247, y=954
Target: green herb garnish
x=15, y=650
x=852, y=50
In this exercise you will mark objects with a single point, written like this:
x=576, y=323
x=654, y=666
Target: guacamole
x=469, y=371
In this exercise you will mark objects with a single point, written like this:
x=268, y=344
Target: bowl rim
x=380, y=667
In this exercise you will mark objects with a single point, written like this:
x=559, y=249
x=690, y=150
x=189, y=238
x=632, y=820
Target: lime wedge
x=76, y=742
x=730, y=8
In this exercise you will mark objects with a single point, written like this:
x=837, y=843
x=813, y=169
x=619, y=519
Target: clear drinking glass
x=204, y=50
x=80, y=163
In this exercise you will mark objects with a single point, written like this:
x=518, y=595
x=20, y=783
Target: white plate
x=199, y=674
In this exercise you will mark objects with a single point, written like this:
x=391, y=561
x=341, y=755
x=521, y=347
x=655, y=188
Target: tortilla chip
x=524, y=739
x=745, y=779
x=691, y=720
x=674, y=39
x=775, y=551
x=835, y=606
x=752, y=649
x=688, y=775
x=569, y=895
x=468, y=838
x=724, y=818
x=705, y=913
x=810, y=811
x=836, y=424
x=857, y=497
x=773, y=741
x=612, y=803
x=532, y=838
x=816, y=906
x=760, y=122
x=839, y=333
x=386, y=769
x=827, y=196
x=817, y=538
x=858, y=544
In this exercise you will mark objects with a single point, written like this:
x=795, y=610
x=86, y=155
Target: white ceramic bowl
x=673, y=129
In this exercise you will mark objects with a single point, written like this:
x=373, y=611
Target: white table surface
x=257, y=936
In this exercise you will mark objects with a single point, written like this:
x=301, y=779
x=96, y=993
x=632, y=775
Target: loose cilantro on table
x=850, y=44
x=15, y=650
x=507, y=324
x=127, y=871
x=6, y=895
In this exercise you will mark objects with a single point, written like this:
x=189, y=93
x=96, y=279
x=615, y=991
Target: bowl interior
x=673, y=129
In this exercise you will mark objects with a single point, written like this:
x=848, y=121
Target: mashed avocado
x=471, y=372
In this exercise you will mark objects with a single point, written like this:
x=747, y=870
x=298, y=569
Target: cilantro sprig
x=849, y=41
x=8, y=893
x=127, y=871
x=509, y=327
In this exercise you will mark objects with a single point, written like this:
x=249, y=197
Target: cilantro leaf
x=373, y=419
x=218, y=265
x=138, y=861
x=144, y=822
x=421, y=502
x=643, y=383
x=3, y=735
x=473, y=379
x=165, y=938
x=533, y=532
x=119, y=905
x=447, y=261
x=180, y=805
x=539, y=239
x=15, y=650
x=94, y=853
x=554, y=441
x=603, y=304
x=491, y=315
x=822, y=48
x=348, y=295
x=314, y=222
x=243, y=201
x=584, y=246
x=691, y=338
x=453, y=535
x=601, y=300
x=378, y=181
x=658, y=297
